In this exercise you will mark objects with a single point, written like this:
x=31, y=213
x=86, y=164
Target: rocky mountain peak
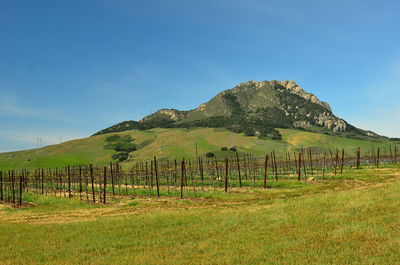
x=250, y=107
x=294, y=88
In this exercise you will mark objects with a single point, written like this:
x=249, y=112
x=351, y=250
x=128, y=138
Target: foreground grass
x=354, y=220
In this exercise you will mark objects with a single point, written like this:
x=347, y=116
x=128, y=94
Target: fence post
x=112, y=177
x=20, y=189
x=342, y=162
x=105, y=185
x=226, y=173
x=299, y=171
x=1, y=185
x=156, y=171
x=69, y=182
x=377, y=158
x=265, y=171
x=92, y=180
x=182, y=176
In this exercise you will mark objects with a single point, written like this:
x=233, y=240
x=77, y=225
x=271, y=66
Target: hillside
x=246, y=117
x=255, y=109
x=177, y=143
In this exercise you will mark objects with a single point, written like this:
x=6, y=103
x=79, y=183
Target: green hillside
x=177, y=143
x=255, y=109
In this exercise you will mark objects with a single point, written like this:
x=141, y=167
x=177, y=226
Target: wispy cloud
x=11, y=106
x=29, y=139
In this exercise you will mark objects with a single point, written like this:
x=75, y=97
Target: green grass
x=349, y=219
x=176, y=144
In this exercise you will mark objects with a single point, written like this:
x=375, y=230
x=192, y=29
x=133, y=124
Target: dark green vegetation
x=254, y=109
x=120, y=144
x=347, y=219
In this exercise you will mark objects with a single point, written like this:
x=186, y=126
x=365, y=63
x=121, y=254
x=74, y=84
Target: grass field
x=177, y=143
x=350, y=219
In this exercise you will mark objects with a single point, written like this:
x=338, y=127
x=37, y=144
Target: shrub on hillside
x=121, y=147
x=210, y=154
x=113, y=138
x=120, y=139
x=120, y=156
x=125, y=147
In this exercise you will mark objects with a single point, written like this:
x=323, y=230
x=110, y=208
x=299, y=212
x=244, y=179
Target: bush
x=224, y=148
x=210, y=154
x=121, y=147
x=248, y=131
x=233, y=149
x=113, y=138
x=125, y=147
x=275, y=135
x=120, y=156
x=116, y=138
x=126, y=139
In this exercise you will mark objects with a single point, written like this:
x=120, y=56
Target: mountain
x=256, y=109
x=270, y=115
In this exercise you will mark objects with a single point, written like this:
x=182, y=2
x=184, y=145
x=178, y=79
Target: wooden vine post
x=112, y=177
x=69, y=182
x=226, y=173
x=336, y=161
x=275, y=166
x=265, y=171
x=105, y=185
x=377, y=157
x=92, y=180
x=238, y=168
x=156, y=171
x=182, y=176
x=1, y=186
x=20, y=189
x=342, y=162
x=299, y=169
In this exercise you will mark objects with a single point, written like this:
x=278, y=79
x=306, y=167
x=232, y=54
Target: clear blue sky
x=71, y=68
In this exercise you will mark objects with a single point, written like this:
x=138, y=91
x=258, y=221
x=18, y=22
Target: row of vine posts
x=186, y=177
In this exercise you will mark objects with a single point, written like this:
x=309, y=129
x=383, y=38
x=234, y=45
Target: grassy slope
x=305, y=224
x=175, y=143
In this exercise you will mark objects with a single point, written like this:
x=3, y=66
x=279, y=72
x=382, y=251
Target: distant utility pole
x=39, y=142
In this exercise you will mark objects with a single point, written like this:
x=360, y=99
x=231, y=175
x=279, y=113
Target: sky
x=71, y=68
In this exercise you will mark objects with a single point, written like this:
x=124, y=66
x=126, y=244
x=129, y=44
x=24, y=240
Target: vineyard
x=187, y=178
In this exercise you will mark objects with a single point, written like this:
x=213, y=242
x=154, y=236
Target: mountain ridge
x=255, y=108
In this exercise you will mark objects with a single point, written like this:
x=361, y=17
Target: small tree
x=224, y=148
x=210, y=154
x=120, y=156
